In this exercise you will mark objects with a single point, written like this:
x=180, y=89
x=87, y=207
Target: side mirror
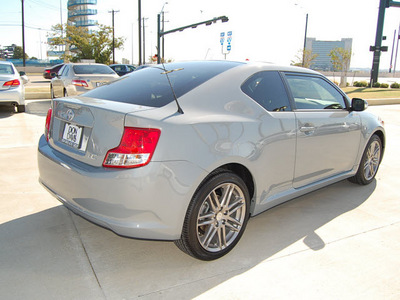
x=23, y=76
x=358, y=104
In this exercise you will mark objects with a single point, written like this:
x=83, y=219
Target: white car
x=12, y=90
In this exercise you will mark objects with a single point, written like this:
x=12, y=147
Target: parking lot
x=340, y=242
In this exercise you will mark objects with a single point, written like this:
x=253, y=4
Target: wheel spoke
x=206, y=240
x=228, y=190
x=236, y=205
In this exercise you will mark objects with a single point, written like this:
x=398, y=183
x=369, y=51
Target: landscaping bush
x=384, y=85
x=377, y=84
x=360, y=83
x=395, y=85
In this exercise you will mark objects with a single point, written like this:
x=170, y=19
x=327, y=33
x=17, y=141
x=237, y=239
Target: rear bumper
x=12, y=96
x=148, y=202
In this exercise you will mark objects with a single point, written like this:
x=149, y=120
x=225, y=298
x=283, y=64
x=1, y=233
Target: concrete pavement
x=340, y=242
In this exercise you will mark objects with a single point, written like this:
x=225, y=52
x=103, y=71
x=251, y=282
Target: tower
x=79, y=13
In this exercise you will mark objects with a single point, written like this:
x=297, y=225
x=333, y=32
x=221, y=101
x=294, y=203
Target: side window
x=267, y=89
x=314, y=93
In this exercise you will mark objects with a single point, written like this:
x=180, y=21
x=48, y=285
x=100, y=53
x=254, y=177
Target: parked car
x=12, y=90
x=76, y=78
x=51, y=70
x=123, y=69
x=188, y=152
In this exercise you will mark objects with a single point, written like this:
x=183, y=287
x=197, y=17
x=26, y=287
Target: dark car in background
x=54, y=69
x=122, y=69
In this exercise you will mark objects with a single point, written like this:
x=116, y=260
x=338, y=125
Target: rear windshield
x=6, y=69
x=150, y=87
x=92, y=69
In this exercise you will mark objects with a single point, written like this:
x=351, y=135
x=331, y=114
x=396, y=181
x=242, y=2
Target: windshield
x=150, y=87
x=6, y=69
x=92, y=69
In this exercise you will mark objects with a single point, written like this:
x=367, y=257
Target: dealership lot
x=340, y=242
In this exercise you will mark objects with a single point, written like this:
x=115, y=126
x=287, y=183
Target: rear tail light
x=10, y=83
x=135, y=149
x=78, y=82
x=47, y=125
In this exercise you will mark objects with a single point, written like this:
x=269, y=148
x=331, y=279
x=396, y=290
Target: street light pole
x=23, y=34
x=305, y=40
x=162, y=33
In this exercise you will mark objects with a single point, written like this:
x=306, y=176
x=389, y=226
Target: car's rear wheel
x=370, y=162
x=216, y=218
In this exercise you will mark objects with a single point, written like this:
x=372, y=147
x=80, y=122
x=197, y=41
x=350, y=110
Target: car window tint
x=6, y=69
x=92, y=69
x=267, y=89
x=150, y=86
x=314, y=93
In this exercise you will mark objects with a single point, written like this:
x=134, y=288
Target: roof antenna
x=172, y=89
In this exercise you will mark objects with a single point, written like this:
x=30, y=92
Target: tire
x=52, y=92
x=21, y=108
x=214, y=224
x=370, y=162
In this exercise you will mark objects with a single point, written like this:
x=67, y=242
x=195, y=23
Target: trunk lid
x=86, y=128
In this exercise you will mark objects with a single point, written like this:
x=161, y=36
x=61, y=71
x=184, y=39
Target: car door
x=276, y=149
x=328, y=133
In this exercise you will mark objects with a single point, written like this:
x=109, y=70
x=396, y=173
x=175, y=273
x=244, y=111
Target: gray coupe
x=188, y=151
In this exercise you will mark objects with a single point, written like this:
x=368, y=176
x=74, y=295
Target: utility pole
x=140, y=30
x=113, y=38
x=144, y=40
x=23, y=34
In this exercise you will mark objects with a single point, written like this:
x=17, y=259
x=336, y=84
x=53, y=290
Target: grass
x=372, y=93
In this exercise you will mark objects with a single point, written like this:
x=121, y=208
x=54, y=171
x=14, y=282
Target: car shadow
x=33, y=107
x=49, y=244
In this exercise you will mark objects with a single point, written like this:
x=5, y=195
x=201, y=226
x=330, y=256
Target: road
x=340, y=242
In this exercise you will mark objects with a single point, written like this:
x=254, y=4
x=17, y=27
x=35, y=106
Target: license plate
x=72, y=135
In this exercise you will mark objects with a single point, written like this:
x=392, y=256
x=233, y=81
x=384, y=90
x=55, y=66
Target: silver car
x=188, y=151
x=12, y=89
x=76, y=78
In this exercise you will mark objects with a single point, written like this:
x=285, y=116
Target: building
x=80, y=14
x=323, y=48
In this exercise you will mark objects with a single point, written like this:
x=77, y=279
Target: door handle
x=307, y=129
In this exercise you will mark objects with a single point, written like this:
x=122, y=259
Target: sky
x=262, y=30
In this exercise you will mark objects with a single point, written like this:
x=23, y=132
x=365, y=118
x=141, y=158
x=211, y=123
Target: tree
x=86, y=44
x=308, y=56
x=340, y=59
x=18, y=53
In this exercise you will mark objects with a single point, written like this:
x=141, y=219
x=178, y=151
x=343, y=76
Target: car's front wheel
x=370, y=162
x=216, y=217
